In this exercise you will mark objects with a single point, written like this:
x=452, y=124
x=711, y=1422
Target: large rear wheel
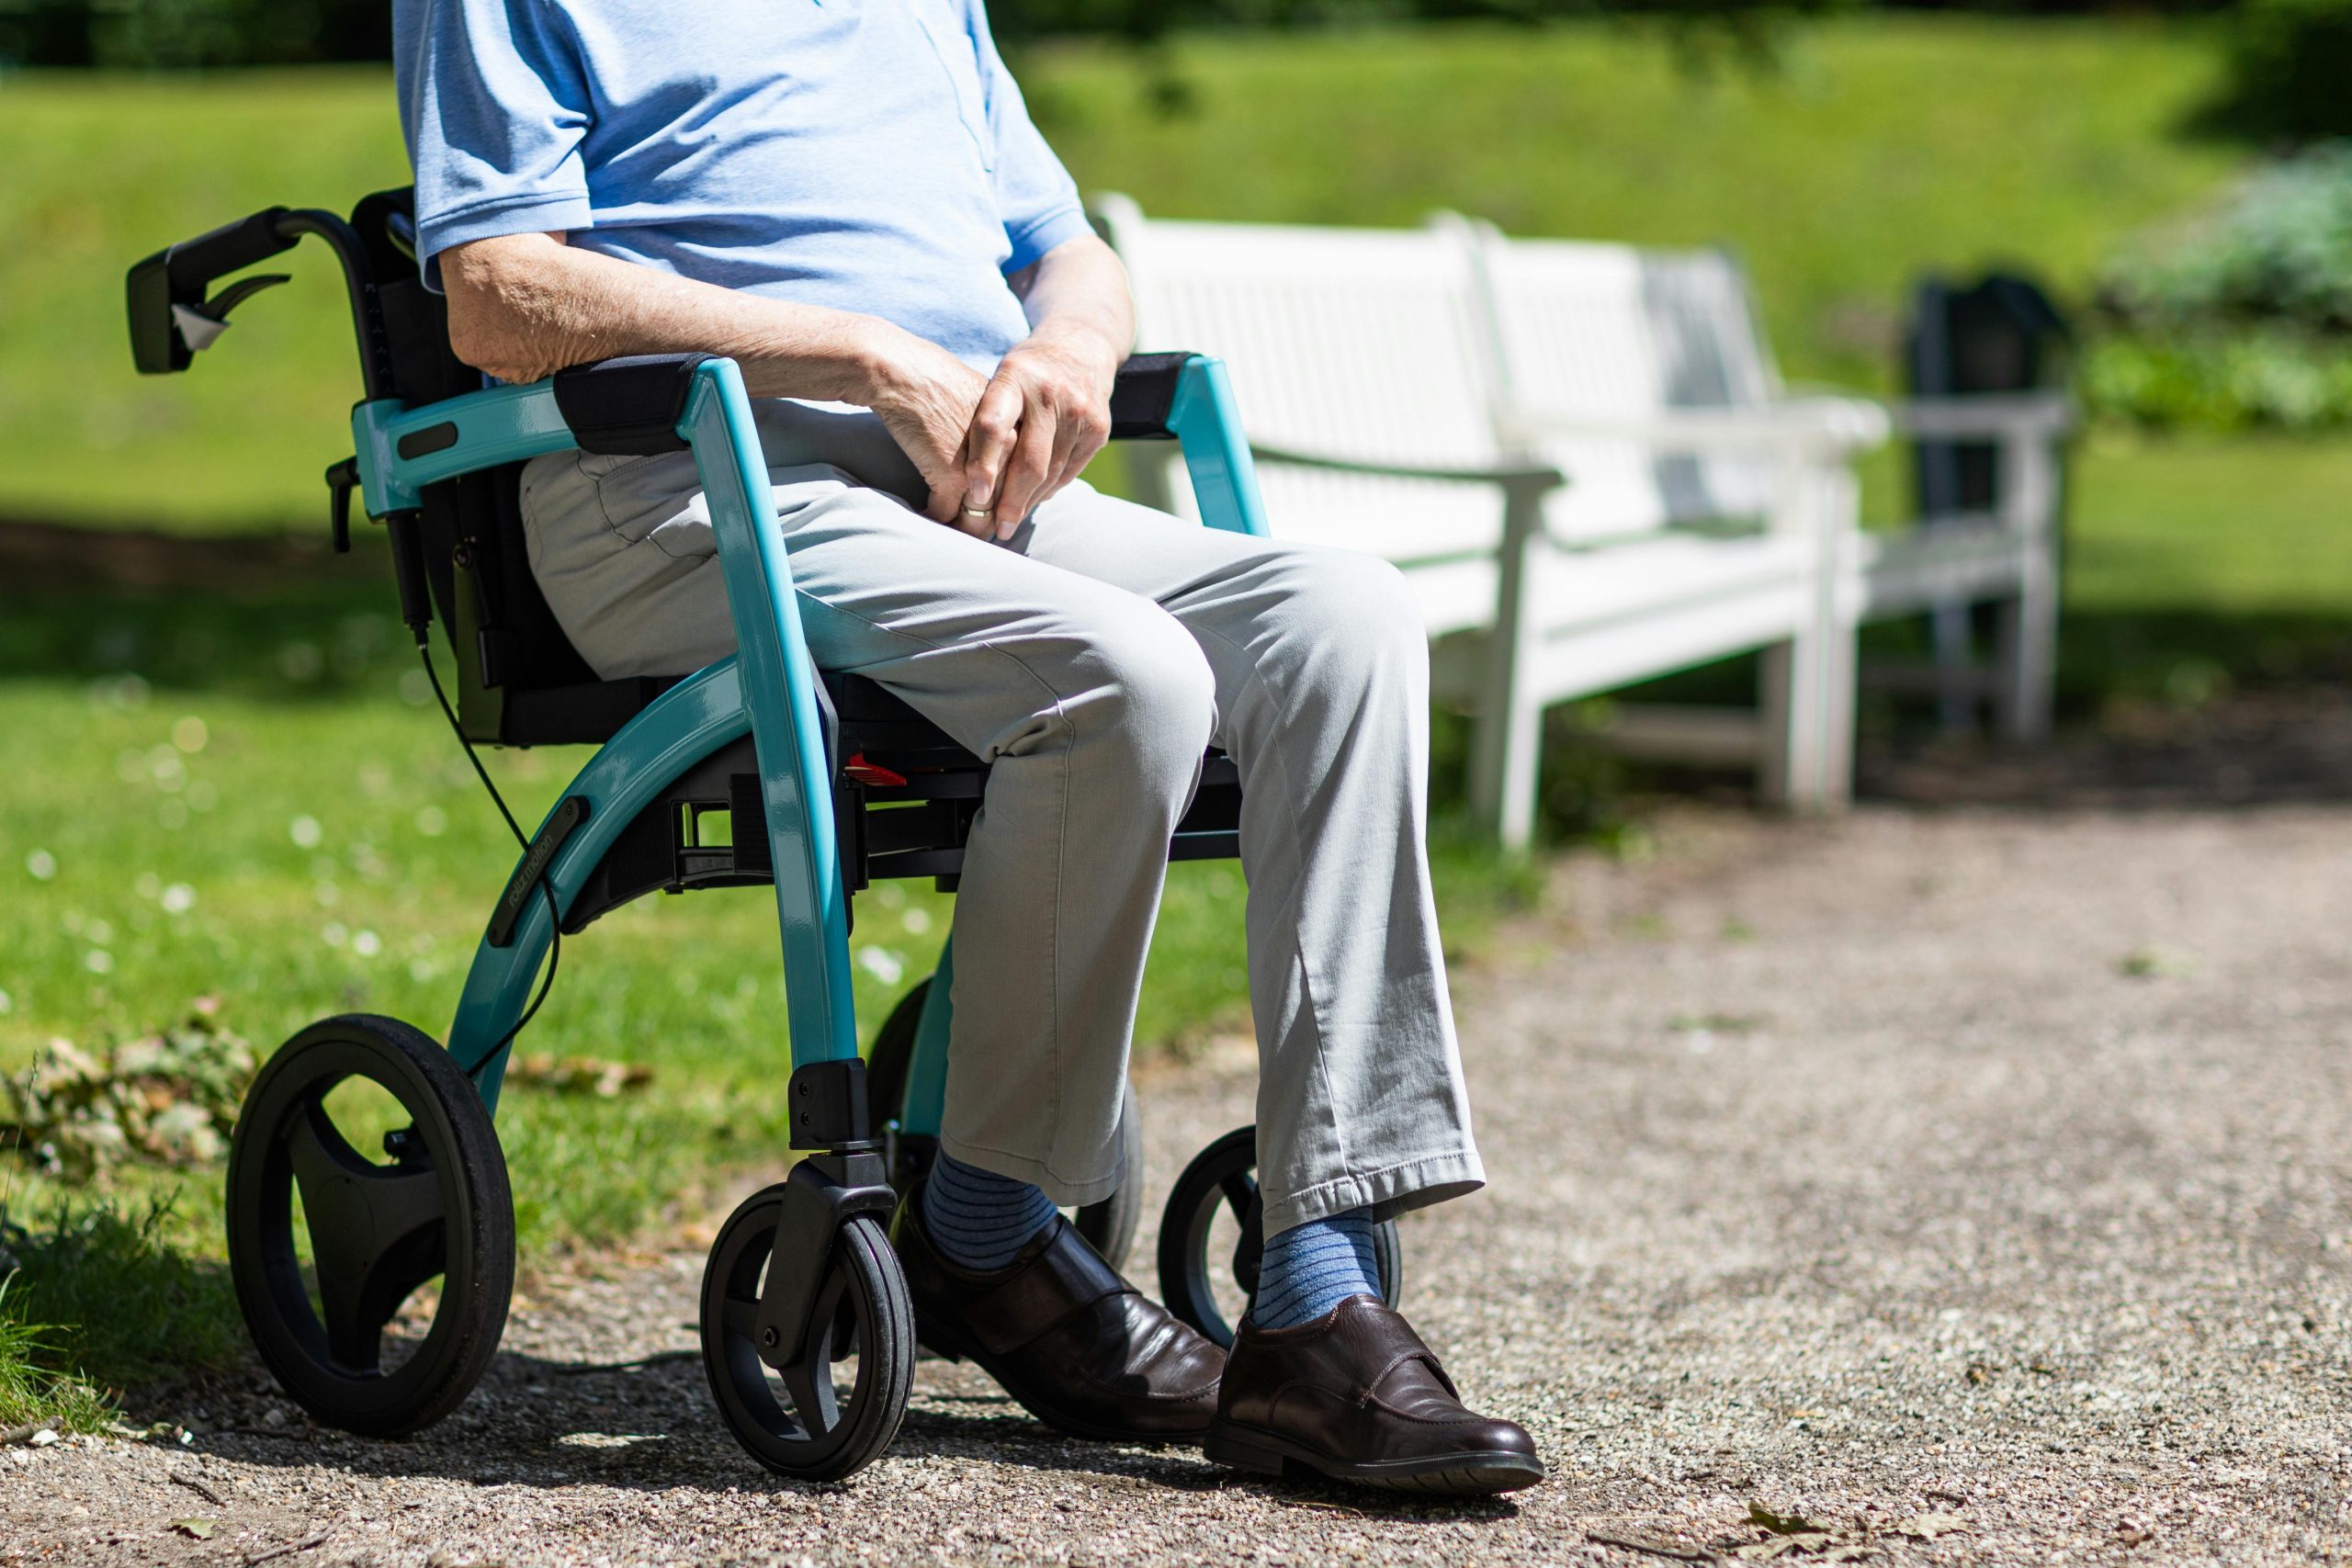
x=375, y=1288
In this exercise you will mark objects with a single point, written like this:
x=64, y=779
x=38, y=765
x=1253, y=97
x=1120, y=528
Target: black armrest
x=1143, y=396
x=627, y=407
x=630, y=406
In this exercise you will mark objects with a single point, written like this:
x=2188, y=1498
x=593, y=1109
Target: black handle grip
x=194, y=263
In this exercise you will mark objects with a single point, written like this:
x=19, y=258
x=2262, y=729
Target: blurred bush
x=2242, y=317
x=177, y=34
x=2291, y=69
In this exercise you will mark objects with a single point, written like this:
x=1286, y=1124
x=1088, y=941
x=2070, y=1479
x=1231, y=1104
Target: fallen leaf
x=1784, y=1524
x=196, y=1529
x=1927, y=1526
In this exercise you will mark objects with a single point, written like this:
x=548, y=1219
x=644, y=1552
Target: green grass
x=257, y=803
x=1885, y=146
x=107, y=1295
x=32, y=1387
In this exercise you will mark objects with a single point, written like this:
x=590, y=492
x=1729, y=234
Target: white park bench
x=1363, y=363
x=1643, y=373
x=1579, y=457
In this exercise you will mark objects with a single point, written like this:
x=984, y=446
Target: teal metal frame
x=767, y=689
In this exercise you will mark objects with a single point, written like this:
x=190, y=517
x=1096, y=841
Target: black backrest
x=520, y=680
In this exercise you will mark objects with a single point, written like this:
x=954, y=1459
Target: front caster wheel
x=328, y=1244
x=1212, y=1240
x=837, y=1409
x=1108, y=1227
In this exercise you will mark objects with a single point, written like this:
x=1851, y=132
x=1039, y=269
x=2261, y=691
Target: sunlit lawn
x=1883, y=147
x=274, y=815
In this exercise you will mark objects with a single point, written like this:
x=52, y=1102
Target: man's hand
x=926, y=398
x=1044, y=414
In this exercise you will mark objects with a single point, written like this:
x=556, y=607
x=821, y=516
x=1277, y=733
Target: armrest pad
x=1144, y=395
x=630, y=406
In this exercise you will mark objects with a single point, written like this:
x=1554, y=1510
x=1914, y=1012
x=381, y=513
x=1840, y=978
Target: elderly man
x=848, y=197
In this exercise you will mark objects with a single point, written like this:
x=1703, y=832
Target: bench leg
x=1808, y=682
x=1504, y=767
x=2031, y=484
x=1509, y=745
x=2028, y=655
x=1786, y=753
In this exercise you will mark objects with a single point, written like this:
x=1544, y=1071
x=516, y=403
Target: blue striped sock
x=1310, y=1268
x=978, y=1219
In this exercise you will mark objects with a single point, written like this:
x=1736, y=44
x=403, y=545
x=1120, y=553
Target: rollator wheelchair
x=758, y=768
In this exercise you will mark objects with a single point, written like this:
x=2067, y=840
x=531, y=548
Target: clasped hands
x=993, y=448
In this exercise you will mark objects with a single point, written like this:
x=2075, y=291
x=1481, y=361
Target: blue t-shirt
x=869, y=155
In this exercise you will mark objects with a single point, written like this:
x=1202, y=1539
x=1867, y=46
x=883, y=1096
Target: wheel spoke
x=810, y=1382
x=1240, y=1189
x=377, y=1233
x=740, y=1319
x=809, y=1385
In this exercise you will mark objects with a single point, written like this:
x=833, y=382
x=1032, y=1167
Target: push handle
x=196, y=263
x=170, y=318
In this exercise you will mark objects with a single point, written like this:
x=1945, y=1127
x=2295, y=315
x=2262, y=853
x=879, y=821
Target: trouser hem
x=1065, y=1192
x=1387, y=1192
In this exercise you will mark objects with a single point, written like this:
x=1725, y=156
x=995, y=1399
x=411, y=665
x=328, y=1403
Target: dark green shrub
x=2291, y=69
x=2277, y=250
x=2242, y=316
x=175, y=34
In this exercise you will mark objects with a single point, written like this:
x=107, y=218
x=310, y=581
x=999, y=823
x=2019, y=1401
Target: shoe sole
x=1477, y=1473
x=954, y=1350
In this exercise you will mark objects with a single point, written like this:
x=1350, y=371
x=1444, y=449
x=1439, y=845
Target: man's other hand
x=1044, y=414
x=926, y=398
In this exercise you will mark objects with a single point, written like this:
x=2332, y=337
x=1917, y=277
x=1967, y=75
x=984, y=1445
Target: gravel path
x=1971, y=1187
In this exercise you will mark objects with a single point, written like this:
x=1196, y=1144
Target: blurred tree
x=177, y=34
x=2291, y=69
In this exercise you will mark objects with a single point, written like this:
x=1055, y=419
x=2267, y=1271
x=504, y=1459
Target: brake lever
x=200, y=326
x=342, y=480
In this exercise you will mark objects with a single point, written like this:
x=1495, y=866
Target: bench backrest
x=1614, y=332
x=1347, y=343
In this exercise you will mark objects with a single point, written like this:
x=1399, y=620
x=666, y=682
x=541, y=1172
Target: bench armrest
x=1989, y=416
x=1834, y=427
x=1538, y=476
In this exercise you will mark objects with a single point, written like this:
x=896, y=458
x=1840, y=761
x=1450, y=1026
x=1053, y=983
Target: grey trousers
x=1092, y=658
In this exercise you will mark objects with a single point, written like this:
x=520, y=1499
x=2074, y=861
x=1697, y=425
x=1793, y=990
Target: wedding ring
x=979, y=511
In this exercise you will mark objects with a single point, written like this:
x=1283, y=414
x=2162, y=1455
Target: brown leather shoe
x=1355, y=1395
x=1079, y=1347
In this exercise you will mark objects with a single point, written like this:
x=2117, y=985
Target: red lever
x=866, y=773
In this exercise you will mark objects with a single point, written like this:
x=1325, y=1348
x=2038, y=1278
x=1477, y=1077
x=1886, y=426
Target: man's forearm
x=526, y=306
x=1078, y=294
